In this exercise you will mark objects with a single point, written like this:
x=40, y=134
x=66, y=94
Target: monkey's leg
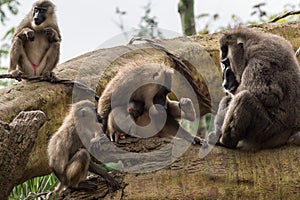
x=172, y=129
x=49, y=61
x=214, y=136
x=18, y=56
x=182, y=109
x=246, y=118
x=77, y=168
x=101, y=172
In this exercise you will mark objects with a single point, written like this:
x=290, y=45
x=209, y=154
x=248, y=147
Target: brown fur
x=68, y=157
x=266, y=110
x=37, y=45
x=124, y=83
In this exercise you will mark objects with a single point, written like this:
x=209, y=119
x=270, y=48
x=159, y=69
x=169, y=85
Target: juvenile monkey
x=265, y=110
x=35, y=45
x=133, y=111
x=150, y=85
x=68, y=157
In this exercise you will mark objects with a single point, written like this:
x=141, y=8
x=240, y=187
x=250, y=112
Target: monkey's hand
x=51, y=34
x=27, y=34
x=186, y=106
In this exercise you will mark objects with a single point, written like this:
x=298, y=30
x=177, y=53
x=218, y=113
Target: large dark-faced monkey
x=149, y=85
x=264, y=111
x=35, y=45
x=68, y=157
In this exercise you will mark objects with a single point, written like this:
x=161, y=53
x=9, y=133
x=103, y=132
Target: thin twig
x=284, y=16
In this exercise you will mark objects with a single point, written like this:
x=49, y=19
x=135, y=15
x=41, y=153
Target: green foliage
x=6, y=7
x=147, y=27
x=258, y=10
x=148, y=24
x=34, y=188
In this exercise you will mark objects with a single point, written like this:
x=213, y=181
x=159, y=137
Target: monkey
x=35, y=45
x=134, y=110
x=67, y=151
x=264, y=110
x=149, y=84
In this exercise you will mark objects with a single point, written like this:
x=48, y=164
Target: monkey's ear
x=82, y=112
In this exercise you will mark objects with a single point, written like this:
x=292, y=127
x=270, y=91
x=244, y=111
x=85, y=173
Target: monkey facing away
x=68, y=158
x=36, y=43
x=264, y=108
x=149, y=85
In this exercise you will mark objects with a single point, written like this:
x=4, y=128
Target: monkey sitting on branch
x=67, y=149
x=35, y=45
x=261, y=73
x=144, y=89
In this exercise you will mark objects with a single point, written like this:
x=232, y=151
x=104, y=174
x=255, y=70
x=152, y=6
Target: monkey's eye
x=40, y=10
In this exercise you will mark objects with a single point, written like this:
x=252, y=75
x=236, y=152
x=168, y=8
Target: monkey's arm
x=18, y=56
x=50, y=59
x=52, y=34
x=264, y=83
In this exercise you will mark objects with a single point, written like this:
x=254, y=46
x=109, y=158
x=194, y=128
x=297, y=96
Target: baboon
x=264, y=112
x=67, y=149
x=133, y=111
x=150, y=85
x=35, y=45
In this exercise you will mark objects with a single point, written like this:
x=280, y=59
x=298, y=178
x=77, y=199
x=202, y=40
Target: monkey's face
x=41, y=11
x=39, y=15
x=232, y=62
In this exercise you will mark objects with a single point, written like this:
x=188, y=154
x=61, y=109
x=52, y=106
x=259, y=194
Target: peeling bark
x=16, y=142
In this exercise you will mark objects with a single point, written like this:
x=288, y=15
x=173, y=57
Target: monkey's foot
x=17, y=75
x=201, y=141
x=112, y=183
x=294, y=139
x=51, y=77
x=186, y=106
x=213, y=138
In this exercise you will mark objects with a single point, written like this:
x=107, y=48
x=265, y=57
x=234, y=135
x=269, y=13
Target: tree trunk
x=186, y=11
x=223, y=173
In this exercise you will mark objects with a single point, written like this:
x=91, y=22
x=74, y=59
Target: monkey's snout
x=229, y=81
x=37, y=21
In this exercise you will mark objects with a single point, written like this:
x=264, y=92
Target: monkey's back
x=272, y=62
x=127, y=81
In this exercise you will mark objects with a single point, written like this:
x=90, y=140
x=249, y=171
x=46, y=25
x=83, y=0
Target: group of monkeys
x=260, y=72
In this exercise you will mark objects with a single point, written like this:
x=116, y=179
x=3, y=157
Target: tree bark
x=224, y=173
x=186, y=11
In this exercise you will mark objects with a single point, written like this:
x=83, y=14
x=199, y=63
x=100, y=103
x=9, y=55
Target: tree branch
x=284, y=16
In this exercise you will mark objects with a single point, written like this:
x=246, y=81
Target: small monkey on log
x=35, y=45
x=68, y=157
x=149, y=85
